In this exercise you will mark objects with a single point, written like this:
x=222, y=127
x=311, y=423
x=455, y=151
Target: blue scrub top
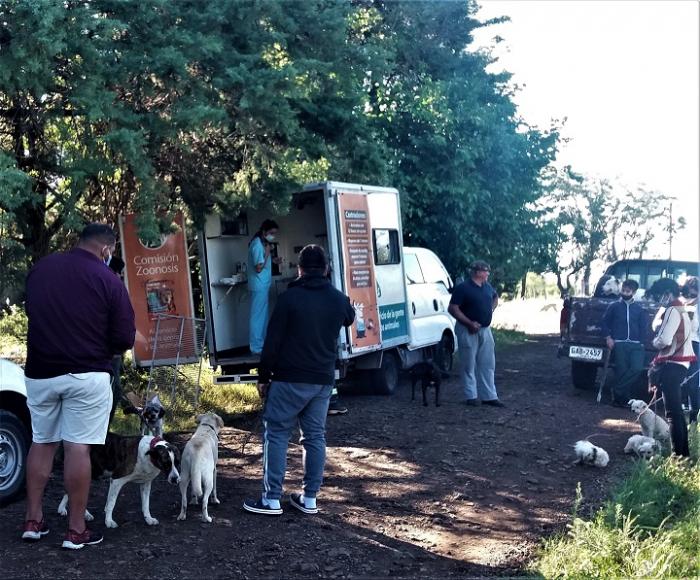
x=256, y=255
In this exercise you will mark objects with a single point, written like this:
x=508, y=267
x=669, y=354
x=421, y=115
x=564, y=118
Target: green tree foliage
x=115, y=105
x=120, y=105
x=596, y=219
x=468, y=167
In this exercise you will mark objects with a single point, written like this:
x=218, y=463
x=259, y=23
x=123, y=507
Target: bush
x=13, y=325
x=649, y=529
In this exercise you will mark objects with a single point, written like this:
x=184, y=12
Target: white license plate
x=586, y=353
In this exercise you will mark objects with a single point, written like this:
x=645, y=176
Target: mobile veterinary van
x=400, y=294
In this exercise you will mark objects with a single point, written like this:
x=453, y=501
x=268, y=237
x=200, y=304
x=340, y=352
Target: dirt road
x=452, y=491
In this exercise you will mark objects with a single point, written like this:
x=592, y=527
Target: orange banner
x=158, y=279
x=359, y=270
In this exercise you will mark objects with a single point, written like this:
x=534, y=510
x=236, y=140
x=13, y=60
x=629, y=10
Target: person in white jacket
x=673, y=342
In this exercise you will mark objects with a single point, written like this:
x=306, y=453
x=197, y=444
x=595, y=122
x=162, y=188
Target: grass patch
x=648, y=529
x=224, y=400
x=507, y=337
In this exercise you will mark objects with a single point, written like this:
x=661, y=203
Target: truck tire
x=14, y=446
x=583, y=374
x=385, y=379
x=444, y=355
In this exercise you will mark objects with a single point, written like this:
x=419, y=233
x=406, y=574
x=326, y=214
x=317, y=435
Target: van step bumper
x=235, y=379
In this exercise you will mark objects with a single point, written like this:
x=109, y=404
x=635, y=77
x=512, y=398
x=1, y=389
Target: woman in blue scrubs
x=259, y=281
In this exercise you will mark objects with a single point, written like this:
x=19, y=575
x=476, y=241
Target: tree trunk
x=524, y=285
x=587, y=280
x=560, y=284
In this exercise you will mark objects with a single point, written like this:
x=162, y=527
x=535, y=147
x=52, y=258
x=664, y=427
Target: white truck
x=400, y=294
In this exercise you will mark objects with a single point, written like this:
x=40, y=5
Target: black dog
x=429, y=376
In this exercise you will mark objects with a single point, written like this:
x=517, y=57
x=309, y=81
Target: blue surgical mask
x=270, y=238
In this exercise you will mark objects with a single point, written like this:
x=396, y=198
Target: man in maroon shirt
x=79, y=316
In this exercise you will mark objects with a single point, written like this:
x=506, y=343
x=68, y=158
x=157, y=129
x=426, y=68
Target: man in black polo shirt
x=79, y=316
x=472, y=304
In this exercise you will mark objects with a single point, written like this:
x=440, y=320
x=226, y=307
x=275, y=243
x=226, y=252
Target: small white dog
x=199, y=464
x=642, y=446
x=652, y=425
x=589, y=454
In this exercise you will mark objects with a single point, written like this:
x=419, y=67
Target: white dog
x=199, y=464
x=642, y=446
x=652, y=425
x=589, y=454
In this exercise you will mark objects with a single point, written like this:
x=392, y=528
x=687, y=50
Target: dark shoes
x=473, y=403
x=258, y=507
x=34, y=531
x=295, y=500
x=494, y=403
x=336, y=408
x=76, y=541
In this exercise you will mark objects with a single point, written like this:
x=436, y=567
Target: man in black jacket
x=297, y=372
x=624, y=327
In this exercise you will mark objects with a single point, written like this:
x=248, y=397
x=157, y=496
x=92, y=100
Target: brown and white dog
x=199, y=464
x=131, y=458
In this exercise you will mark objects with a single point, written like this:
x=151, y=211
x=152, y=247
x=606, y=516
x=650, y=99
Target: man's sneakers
x=76, y=541
x=273, y=508
x=335, y=408
x=303, y=504
x=34, y=531
x=261, y=506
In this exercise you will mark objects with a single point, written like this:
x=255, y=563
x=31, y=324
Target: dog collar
x=214, y=430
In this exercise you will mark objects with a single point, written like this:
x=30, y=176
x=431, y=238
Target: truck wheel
x=583, y=374
x=14, y=446
x=444, y=355
x=385, y=379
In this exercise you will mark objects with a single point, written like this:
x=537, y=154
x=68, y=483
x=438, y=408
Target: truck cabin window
x=414, y=275
x=433, y=271
x=386, y=247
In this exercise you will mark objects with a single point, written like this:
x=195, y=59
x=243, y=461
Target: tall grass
x=650, y=528
x=225, y=400
x=507, y=337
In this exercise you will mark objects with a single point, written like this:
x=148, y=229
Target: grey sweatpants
x=288, y=404
x=477, y=363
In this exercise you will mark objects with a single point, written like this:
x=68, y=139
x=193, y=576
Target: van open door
x=358, y=271
x=369, y=228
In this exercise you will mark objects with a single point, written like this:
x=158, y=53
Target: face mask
x=270, y=238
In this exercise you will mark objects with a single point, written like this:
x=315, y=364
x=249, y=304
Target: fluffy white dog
x=589, y=454
x=652, y=425
x=642, y=446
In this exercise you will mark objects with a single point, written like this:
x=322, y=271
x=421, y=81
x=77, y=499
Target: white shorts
x=73, y=408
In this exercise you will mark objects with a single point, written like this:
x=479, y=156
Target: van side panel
x=358, y=270
x=385, y=217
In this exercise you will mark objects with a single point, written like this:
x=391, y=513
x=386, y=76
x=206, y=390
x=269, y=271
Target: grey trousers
x=288, y=404
x=477, y=363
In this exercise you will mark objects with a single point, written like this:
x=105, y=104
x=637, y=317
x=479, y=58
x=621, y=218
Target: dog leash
x=688, y=378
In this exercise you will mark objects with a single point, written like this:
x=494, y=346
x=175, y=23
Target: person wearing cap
x=472, y=304
x=624, y=327
x=296, y=377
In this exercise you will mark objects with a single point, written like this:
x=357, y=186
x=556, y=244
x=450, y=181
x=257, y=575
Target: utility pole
x=670, y=229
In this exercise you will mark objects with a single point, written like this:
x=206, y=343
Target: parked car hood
x=12, y=377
